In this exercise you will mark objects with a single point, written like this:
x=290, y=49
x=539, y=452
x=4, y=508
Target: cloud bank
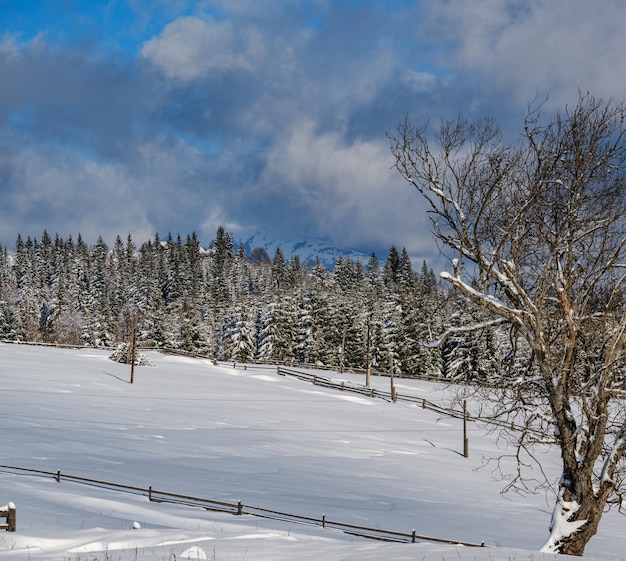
x=160, y=116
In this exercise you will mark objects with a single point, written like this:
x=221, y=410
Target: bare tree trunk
x=575, y=522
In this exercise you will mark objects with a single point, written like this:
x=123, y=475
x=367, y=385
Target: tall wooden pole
x=133, y=355
x=393, y=388
x=343, y=349
x=368, y=372
x=465, y=441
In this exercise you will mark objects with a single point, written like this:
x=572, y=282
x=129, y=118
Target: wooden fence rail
x=238, y=509
x=318, y=380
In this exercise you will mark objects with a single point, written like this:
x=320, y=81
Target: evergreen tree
x=27, y=304
x=8, y=324
x=295, y=272
x=427, y=280
x=193, y=336
x=279, y=270
x=101, y=326
x=221, y=262
x=243, y=341
x=406, y=277
x=304, y=330
x=276, y=329
x=391, y=268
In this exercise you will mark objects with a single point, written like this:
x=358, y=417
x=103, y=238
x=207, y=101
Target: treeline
x=231, y=306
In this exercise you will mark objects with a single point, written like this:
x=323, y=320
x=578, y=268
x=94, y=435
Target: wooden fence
x=240, y=509
x=325, y=382
x=9, y=513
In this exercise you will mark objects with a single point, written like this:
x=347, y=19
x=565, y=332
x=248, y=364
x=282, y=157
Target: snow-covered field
x=187, y=426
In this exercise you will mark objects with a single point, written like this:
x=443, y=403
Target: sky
x=144, y=116
x=189, y=427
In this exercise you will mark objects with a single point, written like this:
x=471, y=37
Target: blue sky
x=135, y=116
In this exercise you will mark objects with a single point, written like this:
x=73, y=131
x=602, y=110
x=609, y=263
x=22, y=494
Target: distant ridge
x=306, y=250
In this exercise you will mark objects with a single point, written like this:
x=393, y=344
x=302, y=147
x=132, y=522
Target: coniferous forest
x=227, y=305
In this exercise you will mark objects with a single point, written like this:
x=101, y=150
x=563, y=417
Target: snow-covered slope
x=306, y=250
x=187, y=426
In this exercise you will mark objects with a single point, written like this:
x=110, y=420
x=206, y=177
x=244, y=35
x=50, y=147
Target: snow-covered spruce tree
x=7, y=289
x=304, y=328
x=80, y=286
x=221, y=262
x=276, y=332
x=101, y=323
x=469, y=356
x=540, y=225
x=321, y=305
x=27, y=305
x=243, y=335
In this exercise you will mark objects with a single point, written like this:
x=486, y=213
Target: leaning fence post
x=59, y=476
x=11, y=518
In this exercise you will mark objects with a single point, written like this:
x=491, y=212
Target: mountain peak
x=306, y=250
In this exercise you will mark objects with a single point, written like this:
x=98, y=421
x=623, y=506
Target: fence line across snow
x=240, y=509
x=323, y=381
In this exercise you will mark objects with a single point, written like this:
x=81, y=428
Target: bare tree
x=537, y=231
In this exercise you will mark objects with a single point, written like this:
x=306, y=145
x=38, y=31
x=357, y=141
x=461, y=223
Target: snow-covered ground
x=187, y=426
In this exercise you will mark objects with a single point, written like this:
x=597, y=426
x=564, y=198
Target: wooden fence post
x=150, y=493
x=239, y=508
x=11, y=518
x=59, y=476
x=465, y=441
x=394, y=396
x=133, y=354
x=323, y=521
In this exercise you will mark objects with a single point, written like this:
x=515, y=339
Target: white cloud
x=218, y=216
x=9, y=47
x=550, y=46
x=190, y=47
x=419, y=82
x=78, y=196
x=350, y=188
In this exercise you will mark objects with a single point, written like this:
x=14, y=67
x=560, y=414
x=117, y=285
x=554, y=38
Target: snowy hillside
x=188, y=427
x=306, y=250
